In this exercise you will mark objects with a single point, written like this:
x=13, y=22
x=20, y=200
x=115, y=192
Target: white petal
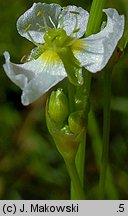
x=36, y=19
x=35, y=77
x=17, y=72
x=51, y=74
x=98, y=48
x=73, y=18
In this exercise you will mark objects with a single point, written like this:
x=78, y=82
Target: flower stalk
x=66, y=129
x=92, y=27
x=95, y=17
x=76, y=183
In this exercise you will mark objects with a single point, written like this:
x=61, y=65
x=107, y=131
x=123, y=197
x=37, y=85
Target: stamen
x=28, y=28
x=39, y=13
x=76, y=30
x=45, y=22
x=23, y=59
x=74, y=12
x=27, y=31
x=52, y=22
x=41, y=27
x=36, y=44
x=76, y=25
x=103, y=25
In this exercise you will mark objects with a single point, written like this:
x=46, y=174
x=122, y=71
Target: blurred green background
x=30, y=166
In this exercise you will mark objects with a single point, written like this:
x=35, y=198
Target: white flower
x=60, y=52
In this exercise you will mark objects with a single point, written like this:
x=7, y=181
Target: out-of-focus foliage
x=30, y=166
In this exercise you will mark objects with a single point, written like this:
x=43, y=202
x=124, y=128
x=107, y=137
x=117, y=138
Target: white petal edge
x=70, y=21
x=15, y=72
x=98, y=48
x=35, y=77
x=34, y=19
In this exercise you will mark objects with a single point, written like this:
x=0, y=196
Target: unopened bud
x=66, y=142
x=58, y=106
x=76, y=122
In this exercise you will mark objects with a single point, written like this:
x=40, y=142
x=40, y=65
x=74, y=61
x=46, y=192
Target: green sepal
x=72, y=66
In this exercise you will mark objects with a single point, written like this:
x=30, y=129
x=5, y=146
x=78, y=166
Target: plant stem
x=76, y=184
x=106, y=131
x=71, y=93
x=92, y=27
x=95, y=17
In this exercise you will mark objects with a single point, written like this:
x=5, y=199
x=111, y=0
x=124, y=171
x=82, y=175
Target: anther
x=28, y=28
x=74, y=12
x=39, y=13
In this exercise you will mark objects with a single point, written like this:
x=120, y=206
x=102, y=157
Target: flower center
x=56, y=42
x=55, y=38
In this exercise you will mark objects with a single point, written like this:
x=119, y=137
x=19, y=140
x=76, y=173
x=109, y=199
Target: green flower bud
x=66, y=142
x=66, y=136
x=58, y=106
x=76, y=122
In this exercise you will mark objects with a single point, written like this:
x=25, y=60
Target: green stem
x=76, y=184
x=106, y=131
x=95, y=17
x=71, y=93
x=80, y=162
x=81, y=99
x=92, y=27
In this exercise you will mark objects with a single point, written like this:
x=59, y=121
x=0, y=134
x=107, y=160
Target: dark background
x=30, y=166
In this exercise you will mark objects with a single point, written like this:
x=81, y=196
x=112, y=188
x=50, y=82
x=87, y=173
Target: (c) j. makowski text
x=50, y=208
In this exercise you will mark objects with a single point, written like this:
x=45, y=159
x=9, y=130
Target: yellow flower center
x=50, y=56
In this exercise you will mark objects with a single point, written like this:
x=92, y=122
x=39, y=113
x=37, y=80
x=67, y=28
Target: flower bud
x=76, y=122
x=58, y=106
x=66, y=142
